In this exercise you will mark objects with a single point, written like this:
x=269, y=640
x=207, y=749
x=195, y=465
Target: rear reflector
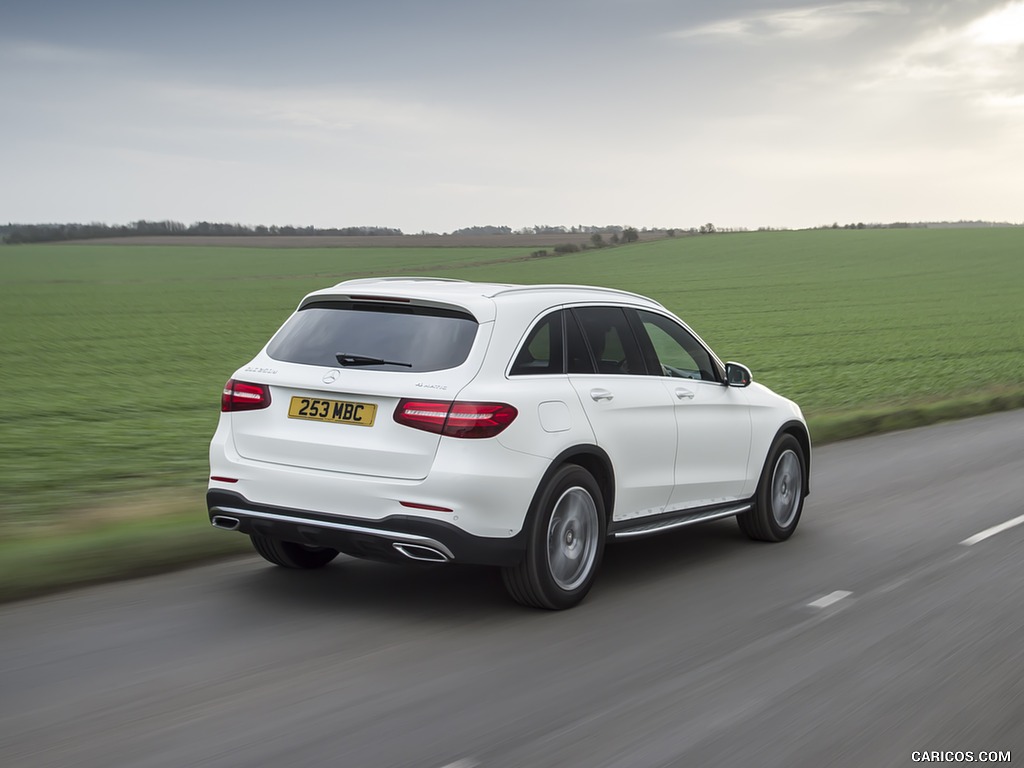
x=428, y=507
x=243, y=396
x=220, y=479
x=455, y=419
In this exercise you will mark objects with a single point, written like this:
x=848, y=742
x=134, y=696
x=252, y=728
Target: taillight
x=456, y=419
x=243, y=396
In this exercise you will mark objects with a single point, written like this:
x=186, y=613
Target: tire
x=288, y=554
x=565, y=543
x=779, y=501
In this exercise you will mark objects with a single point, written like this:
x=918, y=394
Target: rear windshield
x=409, y=338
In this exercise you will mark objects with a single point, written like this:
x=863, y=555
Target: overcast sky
x=440, y=114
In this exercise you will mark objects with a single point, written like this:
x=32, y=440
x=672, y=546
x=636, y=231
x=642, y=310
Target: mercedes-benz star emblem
x=331, y=376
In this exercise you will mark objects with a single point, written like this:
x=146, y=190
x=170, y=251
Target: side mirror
x=738, y=375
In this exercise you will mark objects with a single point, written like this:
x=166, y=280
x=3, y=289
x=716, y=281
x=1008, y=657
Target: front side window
x=678, y=353
x=407, y=338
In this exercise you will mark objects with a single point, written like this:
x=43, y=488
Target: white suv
x=516, y=426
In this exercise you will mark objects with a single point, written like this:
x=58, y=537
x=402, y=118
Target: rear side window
x=409, y=338
x=542, y=351
x=611, y=340
x=577, y=355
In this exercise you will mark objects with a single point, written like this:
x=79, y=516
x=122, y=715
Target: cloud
x=978, y=61
x=35, y=53
x=63, y=79
x=814, y=23
x=310, y=112
x=1003, y=27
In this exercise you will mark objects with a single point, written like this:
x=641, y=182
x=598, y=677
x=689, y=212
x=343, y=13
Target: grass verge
x=150, y=539
x=174, y=533
x=829, y=428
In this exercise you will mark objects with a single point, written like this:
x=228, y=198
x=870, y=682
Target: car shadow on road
x=457, y=591
x=691, y=549
x=373, y=588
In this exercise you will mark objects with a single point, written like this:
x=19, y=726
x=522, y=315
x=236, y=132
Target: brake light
x=455, y=419
x=243, y=396
x=355, y=297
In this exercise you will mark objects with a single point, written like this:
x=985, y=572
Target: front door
x=713, y=419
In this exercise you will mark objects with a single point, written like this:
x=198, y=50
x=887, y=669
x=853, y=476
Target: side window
x=679, y=354
x=577, y=355
x=612, y=343
x=542, y=351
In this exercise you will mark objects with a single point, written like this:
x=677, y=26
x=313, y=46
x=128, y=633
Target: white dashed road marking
x=992, y=531
x=829, y=599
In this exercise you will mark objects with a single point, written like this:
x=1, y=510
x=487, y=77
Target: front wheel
x=565, y=543
x=780, y=493
x=288, y=554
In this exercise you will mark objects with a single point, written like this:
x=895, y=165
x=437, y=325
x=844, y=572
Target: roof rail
x=416, y=278
x=570, y=287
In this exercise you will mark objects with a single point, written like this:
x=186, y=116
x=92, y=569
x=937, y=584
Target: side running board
x=648, y=527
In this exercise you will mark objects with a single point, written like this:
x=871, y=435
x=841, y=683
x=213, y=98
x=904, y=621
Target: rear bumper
x=396, y=537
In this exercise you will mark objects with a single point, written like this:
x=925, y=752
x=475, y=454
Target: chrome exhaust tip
x=225, y=523
x=420, y=553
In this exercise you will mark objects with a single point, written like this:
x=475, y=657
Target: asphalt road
x=698, y=648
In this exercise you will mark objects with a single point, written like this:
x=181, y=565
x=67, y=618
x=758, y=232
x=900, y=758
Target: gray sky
x=439, y=114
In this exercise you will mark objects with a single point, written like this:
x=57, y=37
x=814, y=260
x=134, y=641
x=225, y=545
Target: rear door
x=336, y=413
x=630, y=412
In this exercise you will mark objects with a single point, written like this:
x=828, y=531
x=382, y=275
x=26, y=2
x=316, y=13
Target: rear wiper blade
x=346, y=359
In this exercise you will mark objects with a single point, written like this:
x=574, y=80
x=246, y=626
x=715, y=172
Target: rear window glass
x=409, y=338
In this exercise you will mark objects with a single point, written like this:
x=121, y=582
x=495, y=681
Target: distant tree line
x=962, y=224
x=627, y=235
x=486, y=230
x=48, y=233
x=599, y=236
x=543, y=229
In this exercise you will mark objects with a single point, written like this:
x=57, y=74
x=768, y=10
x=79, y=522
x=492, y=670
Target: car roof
x=479, y=298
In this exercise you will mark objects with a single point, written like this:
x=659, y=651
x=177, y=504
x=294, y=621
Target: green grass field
x=114, y=356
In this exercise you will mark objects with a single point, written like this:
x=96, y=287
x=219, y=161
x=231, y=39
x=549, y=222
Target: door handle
x=601, y=394
x=684, y=394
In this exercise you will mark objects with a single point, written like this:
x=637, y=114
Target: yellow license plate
x=335, y=411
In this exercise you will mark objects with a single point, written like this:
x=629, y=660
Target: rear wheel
x=780, y=493
x=564, y=545
x=288, y=554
